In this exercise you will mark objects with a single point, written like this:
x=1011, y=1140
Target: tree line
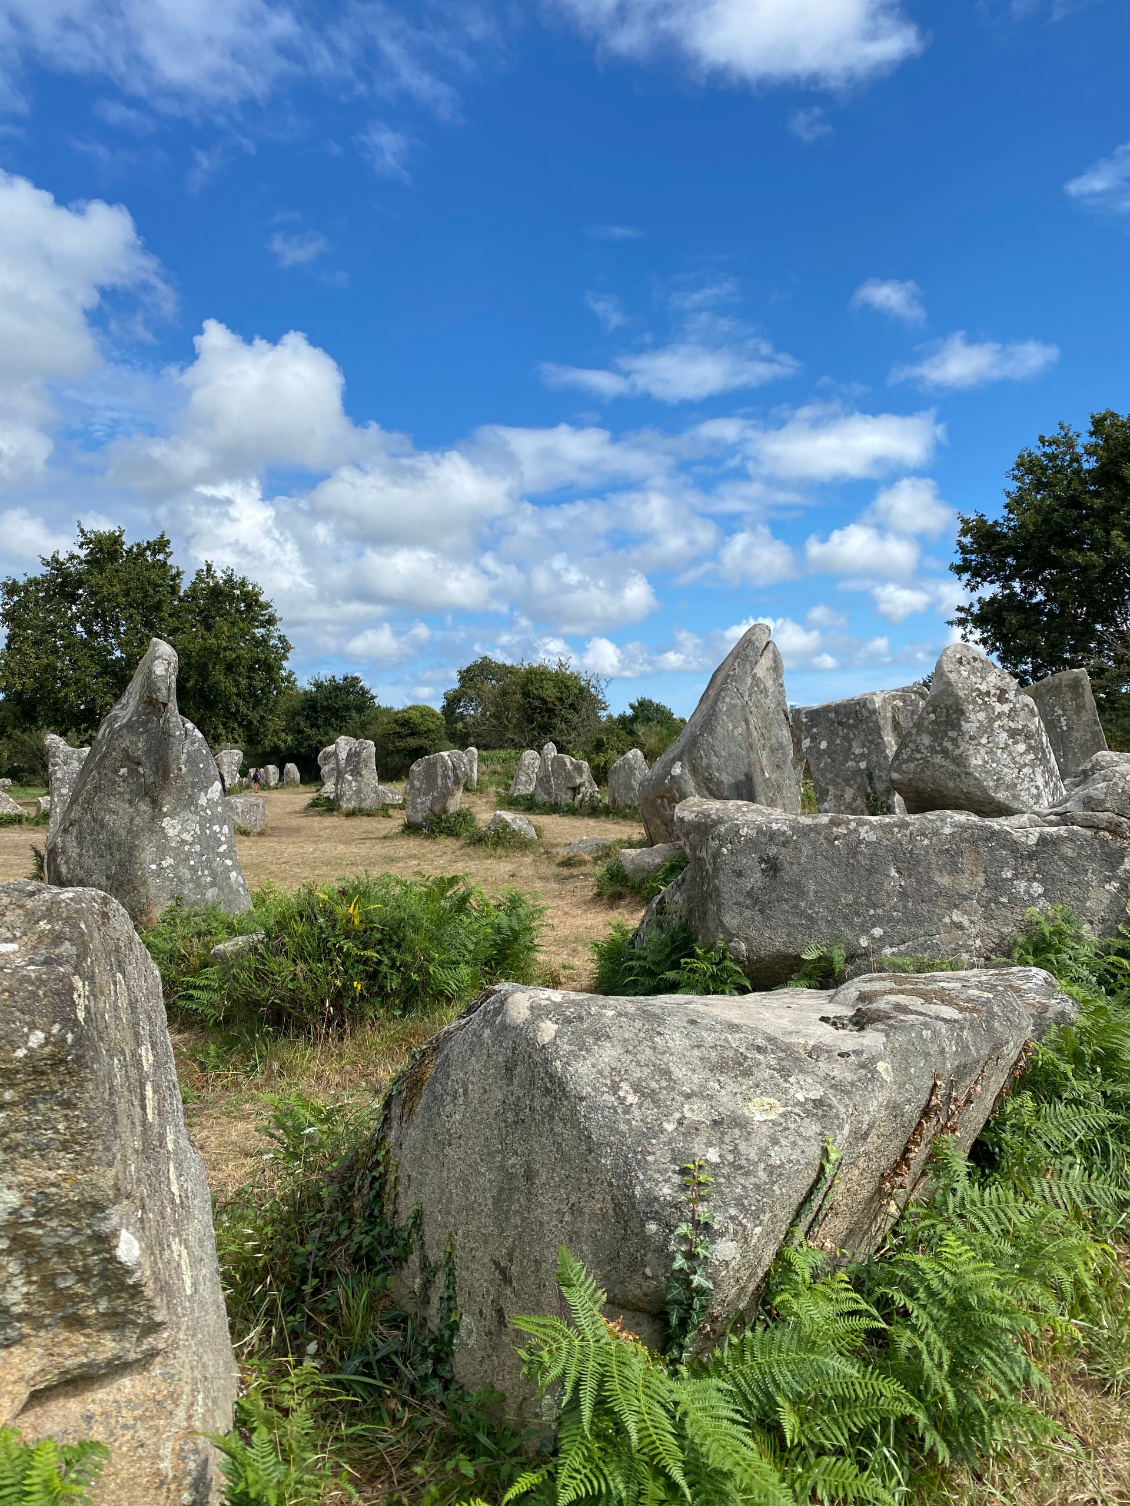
x=1049, y=581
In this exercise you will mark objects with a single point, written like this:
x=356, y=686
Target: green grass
x=529, y=806
x=501, y=839
x=336, y=954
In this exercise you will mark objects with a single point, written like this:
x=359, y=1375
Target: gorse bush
x=47, y=1473
x=344, y=952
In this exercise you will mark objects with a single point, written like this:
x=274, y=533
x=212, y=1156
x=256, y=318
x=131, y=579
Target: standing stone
x=229, y=763
x=1067, y=709
x=356, y=774
x=563, y=780
x=291, y=776
x=8, y=806
x=146, y=821
x=977, y=745
x=526, y=775
x=472, y=756
x=63, y=765
x=271, y=776
x=43, y=805
x=248, y=811
x=435, y=787
x=849, y=746
x=327, y=772
x=737, y=745
x=540, y=1118
x=111, y=1311
x=624, y=780
x=511, y=821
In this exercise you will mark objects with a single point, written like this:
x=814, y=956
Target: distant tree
x=498, y=705
x=75, y=632
x=400, y=737
x=329, y=707
x=651, y=726
x=1051, y=577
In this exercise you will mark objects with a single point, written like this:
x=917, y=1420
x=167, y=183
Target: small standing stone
x=8, y=806
x=248, y=811
x=624, y=780
x=271, y=776
x=327, y=772
x=563, y=780
x=435, y=787
x=356, y=774
x=291, y=776
x=63, y=765
x=514, y=822
x=1067, y=709
x=43, y=805
x=526, y=775
x=472, y=757
x=229, y=763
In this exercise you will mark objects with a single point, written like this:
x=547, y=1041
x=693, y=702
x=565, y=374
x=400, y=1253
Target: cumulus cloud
x=1106, y=185
x=381, y=645
x=956, y=364
x=684, y=371
x=911, y=505
x=896, y=603
x=861, y=550
x=754, y=556
x=901, y=300
x=756, y=41
x=823, y=442
x=25, y=538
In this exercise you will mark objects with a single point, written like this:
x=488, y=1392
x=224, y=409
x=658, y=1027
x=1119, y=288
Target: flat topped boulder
x=1067, y=709
x=737, y=745
x=541, y=1118
x=146, y=821
x=112, y=1321
x=63, y=765
x=946, y=884
x=849, y=744
x=977, y=745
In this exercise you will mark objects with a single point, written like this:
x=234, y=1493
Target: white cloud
x=755, y=41
x=809, y=124
x=821, y=442
x=911, y=505
x=822, y=615
x=956, y=364
x=607, y=308
x=385, y=150
x=901, y=300
x=297, y=249
x=685, y=371
x=754, y=556
x=896, y=603
x=546, y=459
x=26, y=538
x=1106, y=185
x=613, y=232
x=380, y=644
x=860, y=550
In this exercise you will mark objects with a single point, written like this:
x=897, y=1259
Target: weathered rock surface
x=526, y=775
x=737, y=745
x=435, y=787
x=224, y=951
x=513, y=821
x=248, y=811
x=271, y=776
x=944, y=884
x=356, y=774
x=624, y=779
x=472, y=757
x=10, y=807
x=146, y=821
x=43, y=805
x=290, y=775
x=585, y=847
x=327, y=771
x=1067, y=709
x=849, y=745
x=541, y=1118
x=63, y=765
x=112, y=1318
x=229, y=762
x=645, y=862
x=563, y=780
x=977, y=744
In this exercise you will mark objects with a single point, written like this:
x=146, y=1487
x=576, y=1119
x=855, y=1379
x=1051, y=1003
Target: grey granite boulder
x=248, y=811
x=112, y=1317
x=738, y=744
x=229, y=762
x=849, y=744
x=1098, y=797
x=146, y=821
x=10, y=807
x=563, y=780
x=435, y=787
x=945, y=884
x=1067, y=709
x=471, y=755
x=43, y=805
x=624, y=780
x=271, y=776
x=526, y=774
x=645, y=862
x=356, y=781
x=63, y=765
x=327, y=772
x=511, y=821
x=540, y=1118
x=291, y=776
x=978, y=744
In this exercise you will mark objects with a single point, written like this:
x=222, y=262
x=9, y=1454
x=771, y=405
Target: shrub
x=401, y=737
x=498, y=705
x=668, y=960
x=613, y=882
x=650, y=726
x=47, y=1473
x=353, y=950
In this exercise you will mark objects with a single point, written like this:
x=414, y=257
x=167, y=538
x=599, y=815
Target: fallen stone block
x=513, y=822
x=248, y=811
x=978, y=744
x=63, y=765
x=111, y=1311
x=645, y=862
x=224, y=951
x=1067, y=709
x=541, y=1118
x=435, y=787
x=624, y=780
x=146, y=821
x=946, y=884
x=291, y=776
x=849, y=745
x=526, y=774
x=738, y=744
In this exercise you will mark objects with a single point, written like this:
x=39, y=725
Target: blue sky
x=593, y=328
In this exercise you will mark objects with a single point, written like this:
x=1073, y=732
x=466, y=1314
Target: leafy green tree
x=650, y=726
x=498, y=705
x=76, y=631
x=329, y=707
x=400, y=737
x=1051, y=577
x=481, y=710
